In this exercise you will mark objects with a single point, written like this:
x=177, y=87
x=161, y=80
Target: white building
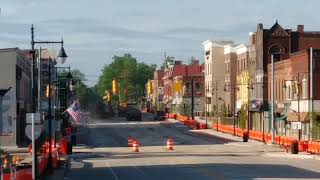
x=214, y=72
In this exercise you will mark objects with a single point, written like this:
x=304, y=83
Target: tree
x=243, y=116
x=130, y=74
x=315, y=126
x=224, y=113
x=168, y=60
x=86, y=96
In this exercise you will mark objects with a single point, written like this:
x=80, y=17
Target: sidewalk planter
x=245, y=136
x=294, y=147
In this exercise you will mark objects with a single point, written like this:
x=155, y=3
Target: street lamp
x=62, y=56
x=206, y=106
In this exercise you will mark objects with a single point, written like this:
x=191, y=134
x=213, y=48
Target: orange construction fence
x=284, y=141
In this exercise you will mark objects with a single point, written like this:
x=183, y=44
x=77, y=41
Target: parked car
x=159, y=115
x=133, y=114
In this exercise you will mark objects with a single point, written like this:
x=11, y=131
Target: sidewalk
x=276, y=152
x=14, y=149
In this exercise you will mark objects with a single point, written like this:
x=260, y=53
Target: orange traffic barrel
x=170, y=144
x=135, y=146
x=130, y=141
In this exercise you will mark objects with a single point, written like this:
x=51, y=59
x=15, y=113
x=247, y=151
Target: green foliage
x=214, y=118
x=315, y=126
x=243, y=116
x=131, y=75
x=87, y=96
x=224, y=113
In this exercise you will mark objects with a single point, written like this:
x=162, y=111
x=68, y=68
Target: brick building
x=177, y=87
x=292, y=92
x=281, y=43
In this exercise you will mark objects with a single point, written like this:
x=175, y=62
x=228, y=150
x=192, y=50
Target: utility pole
x=248, y=105
x=272, y=99
x=234, y=108
x=192, y=100
x=33, y=71
x=216, y=88
x=299, y=118
x=205, y=107
x=311, y=94
x=39, y=81
x=49, y=117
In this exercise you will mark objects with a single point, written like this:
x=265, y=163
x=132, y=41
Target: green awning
x=282, y=118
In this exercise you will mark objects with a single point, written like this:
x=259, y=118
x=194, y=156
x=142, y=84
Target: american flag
x=74, y=111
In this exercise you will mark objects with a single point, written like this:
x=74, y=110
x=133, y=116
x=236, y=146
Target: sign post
x=33, y=119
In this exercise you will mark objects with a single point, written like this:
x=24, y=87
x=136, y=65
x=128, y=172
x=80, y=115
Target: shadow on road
x=197, y=171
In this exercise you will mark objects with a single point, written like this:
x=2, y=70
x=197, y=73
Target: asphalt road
x=104, y=154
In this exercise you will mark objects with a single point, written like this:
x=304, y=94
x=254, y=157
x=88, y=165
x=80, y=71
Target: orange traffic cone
x=135, y=146
x=130, y=141
x=170, y=144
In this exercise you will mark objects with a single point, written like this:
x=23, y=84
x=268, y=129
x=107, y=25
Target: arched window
x=276, y=50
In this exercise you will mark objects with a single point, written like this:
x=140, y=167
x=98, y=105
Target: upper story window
x=276, y=50
x=187, y=88
x=207, y=53
x=304, y=88
x=198, y=88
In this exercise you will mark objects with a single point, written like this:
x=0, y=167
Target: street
x=103, y=153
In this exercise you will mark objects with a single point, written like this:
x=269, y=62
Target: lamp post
x=248, y=106
x=192, y=99
x=206, y=106
x=62, y=57
x=235, y=89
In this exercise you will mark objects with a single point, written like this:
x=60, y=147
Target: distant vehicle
x=122, y=109
x=159, y=115
x=133, y=114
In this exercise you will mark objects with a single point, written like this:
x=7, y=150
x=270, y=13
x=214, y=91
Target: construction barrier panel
x=24, y=174
x=283, y=141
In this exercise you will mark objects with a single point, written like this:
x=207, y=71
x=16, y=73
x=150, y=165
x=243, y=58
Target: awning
x=282, y=118
x=304, y=116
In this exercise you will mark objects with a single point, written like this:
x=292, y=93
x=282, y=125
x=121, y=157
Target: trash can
x=245, y=136
x=294, y=147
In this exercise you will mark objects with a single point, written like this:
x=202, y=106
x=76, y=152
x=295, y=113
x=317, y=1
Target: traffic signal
x=115, y=87
x=149, y=87
x=108, y=96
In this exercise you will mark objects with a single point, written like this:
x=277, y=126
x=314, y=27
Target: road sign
x=36, y=118
x=160, y=90
x=37, y=131
x=296, y=125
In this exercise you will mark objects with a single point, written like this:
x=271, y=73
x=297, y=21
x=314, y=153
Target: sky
x=96, y=30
